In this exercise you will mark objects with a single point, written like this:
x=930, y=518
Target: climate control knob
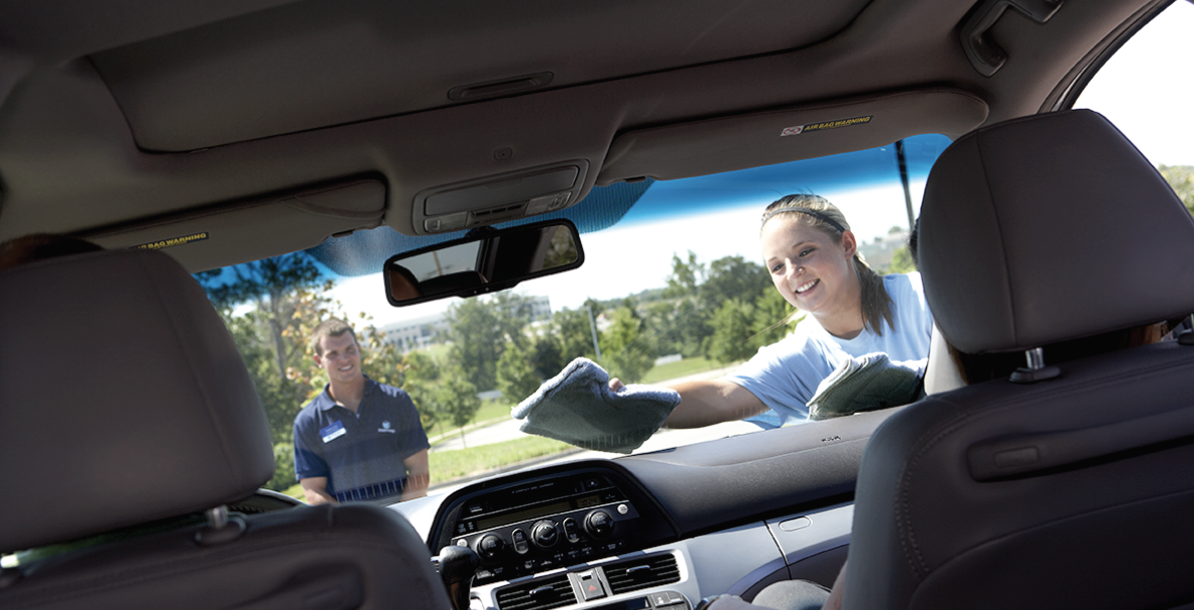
x=599, y=524
x=490, y=546
x=544, y=534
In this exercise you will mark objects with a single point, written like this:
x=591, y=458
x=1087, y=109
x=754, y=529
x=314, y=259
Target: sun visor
x=218, y=236
x=495, y=199
x=788, y=134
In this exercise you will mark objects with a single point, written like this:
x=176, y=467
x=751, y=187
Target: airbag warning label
x=173, y=241
x=799, y=129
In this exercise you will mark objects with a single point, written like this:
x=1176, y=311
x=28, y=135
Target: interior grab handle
x=984, y=53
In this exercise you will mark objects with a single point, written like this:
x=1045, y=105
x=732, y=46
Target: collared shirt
x=360, y=453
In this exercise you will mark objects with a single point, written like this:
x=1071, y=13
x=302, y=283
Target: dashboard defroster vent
x=537, y=595
x=641, y=573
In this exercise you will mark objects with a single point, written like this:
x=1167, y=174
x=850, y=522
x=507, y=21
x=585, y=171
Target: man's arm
x=418, y=476
x=316, y=491
x=708, y=402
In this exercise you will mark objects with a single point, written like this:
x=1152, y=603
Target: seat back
x=129, y=424
x=1074, y=491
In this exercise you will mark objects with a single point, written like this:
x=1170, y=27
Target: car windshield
x=674, y=289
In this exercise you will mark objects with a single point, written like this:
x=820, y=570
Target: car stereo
x=551, y=522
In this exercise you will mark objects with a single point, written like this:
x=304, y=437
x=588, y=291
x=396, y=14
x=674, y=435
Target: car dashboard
x=661, y=529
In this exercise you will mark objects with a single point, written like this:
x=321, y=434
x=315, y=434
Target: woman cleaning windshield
x=812, y=257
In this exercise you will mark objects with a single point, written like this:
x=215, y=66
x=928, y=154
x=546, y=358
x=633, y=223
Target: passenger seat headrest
x=125, y=399
x=1050, y=228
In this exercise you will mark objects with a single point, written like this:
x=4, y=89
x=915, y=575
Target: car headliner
x=126, y=120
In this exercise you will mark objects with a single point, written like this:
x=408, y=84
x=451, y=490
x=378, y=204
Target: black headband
x=811, y=212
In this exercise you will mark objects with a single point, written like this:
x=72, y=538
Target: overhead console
x=494, y=199
x=551, y=521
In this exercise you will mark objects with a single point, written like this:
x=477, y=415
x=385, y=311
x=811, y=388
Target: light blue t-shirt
x=785, y=374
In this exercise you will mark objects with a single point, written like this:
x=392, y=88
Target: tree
x=456, y=399
x=271, y=285
x=730, y=341
x=1181, y=179
x=625, y=351
x=733, y=277
x=771, y=320
x=480, y=329
x=422, y=379
x=476, y=336
x=571, y=330
x=686, y=276
x=516, y=374
x=901, y=261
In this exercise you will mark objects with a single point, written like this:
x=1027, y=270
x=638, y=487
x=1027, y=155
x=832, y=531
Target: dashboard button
x=599, y=524
x=590, y=586
x=544, y=534
x=572, y=530
x=490, y=546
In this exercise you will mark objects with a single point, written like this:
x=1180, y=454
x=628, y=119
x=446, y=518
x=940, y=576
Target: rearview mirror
x=493, y=260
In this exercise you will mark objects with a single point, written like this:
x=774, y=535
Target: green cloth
x=578, y=407
x=866, y=383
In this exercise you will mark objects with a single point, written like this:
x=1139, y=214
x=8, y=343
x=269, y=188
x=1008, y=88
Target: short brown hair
x=330, y=328
x=41, y=246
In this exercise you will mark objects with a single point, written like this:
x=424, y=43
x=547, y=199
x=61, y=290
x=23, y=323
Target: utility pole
x=593, y=327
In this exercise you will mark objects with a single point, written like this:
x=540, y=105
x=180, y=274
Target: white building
x=421, y=332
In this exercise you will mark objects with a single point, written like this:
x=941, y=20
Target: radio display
x=535, y=512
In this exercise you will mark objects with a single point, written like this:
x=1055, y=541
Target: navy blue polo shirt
x=360, y=453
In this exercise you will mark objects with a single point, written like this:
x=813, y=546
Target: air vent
x=641, y=573
x=537, y=595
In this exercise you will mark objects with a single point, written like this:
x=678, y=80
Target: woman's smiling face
x=809, y=269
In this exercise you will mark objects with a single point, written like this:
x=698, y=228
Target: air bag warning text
x=173, y=241
x=799, y=129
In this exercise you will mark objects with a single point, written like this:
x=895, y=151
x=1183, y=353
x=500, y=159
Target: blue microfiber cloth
x=867, y=383
x=578, y=407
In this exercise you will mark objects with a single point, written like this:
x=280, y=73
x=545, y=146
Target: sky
x=1144, y=90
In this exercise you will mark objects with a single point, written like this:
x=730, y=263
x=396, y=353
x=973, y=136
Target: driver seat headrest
x=126, y=399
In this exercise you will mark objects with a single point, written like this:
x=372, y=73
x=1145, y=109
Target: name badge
x=333, y=432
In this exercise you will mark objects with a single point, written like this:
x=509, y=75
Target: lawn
x=448, y=465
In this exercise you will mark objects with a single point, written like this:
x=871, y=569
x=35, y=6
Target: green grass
x=448, y=465
x=687, y=366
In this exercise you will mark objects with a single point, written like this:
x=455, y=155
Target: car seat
x=1069, y=484
x=129, y=424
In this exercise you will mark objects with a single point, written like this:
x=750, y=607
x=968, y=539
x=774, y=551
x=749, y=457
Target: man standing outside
x=359, y=439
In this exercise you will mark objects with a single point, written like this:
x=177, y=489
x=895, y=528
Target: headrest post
x=1187, y=337
x=221, y=528
x=1036, y=369
x=217, y=517
x=1036, y=358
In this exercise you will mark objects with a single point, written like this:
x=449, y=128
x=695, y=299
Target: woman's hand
x=616, y=384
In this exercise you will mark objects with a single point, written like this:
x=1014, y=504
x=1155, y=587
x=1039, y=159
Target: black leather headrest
x=1050, y=228
x=125, y=399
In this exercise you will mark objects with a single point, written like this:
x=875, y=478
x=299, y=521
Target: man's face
x=340, y=357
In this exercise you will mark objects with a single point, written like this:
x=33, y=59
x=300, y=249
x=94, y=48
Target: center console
x=551, y=521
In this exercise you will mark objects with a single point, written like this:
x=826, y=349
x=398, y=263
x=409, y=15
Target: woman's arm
x=704, y=403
